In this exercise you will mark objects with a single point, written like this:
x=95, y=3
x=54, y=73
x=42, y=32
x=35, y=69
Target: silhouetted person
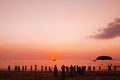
x=41, y=68
x=89, y=68
x=9, y=68
x=15, y=68
x=83, y=69
x=74, y=69
x=35, y=67
x=63, y=70
x=50, y=69
x=114, y=67
x=79, y=70
x=45, y=68
x=55, y=71
x=31, y=68
x=99, y=68
x=109, y=67
x=93, y=68
x=67, y=68
x=23, y=68
x=18, y=68
x=71, y=70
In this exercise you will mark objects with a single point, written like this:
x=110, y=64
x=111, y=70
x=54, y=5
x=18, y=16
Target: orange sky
x=37, y=29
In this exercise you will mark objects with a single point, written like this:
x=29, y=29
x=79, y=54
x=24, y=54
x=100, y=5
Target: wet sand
x=102, y=75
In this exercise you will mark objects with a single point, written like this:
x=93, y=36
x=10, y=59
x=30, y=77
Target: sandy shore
x=103, y=75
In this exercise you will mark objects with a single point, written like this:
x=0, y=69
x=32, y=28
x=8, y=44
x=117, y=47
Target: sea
x=49, y=63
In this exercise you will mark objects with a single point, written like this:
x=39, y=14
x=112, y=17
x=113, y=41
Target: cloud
x=111, y=31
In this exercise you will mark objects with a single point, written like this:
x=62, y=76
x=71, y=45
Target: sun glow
x=53, y=58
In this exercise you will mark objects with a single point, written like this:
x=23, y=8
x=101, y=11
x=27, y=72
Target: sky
x=66, y=29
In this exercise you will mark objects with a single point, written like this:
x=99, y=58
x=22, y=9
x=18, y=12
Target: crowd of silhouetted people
x=32, y=68
x=71, y=69
x=80, y=70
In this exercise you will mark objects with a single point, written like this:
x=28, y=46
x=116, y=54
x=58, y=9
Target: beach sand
x=102, y=75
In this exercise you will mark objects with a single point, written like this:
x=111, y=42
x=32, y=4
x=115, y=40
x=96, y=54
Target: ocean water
x=103, y=63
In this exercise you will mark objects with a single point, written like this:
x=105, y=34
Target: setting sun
x=53, y=58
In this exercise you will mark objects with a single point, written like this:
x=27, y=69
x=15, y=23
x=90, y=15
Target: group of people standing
x=79, y=69
x=32, y=68
x=72, y=69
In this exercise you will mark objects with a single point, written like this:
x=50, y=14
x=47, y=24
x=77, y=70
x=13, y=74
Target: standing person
x=22, y=68
x=89, y=68
x=25, y=68
x=41, y=68
x=46, y=68
x=67, y=68
x=74, y=69
x=114, y=67
x=31, y=68
x=49, y=69
x=109, y=67
x=18, y=68
x=71, y=70
x=63, y=70
x=93, y=68
x=99, y=68
x=9, y=68
x=55, y=71
x=77, y=69
x=15, y=68
x=35, y=67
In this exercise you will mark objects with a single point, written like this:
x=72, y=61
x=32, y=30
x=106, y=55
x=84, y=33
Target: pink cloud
x=111, y=31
